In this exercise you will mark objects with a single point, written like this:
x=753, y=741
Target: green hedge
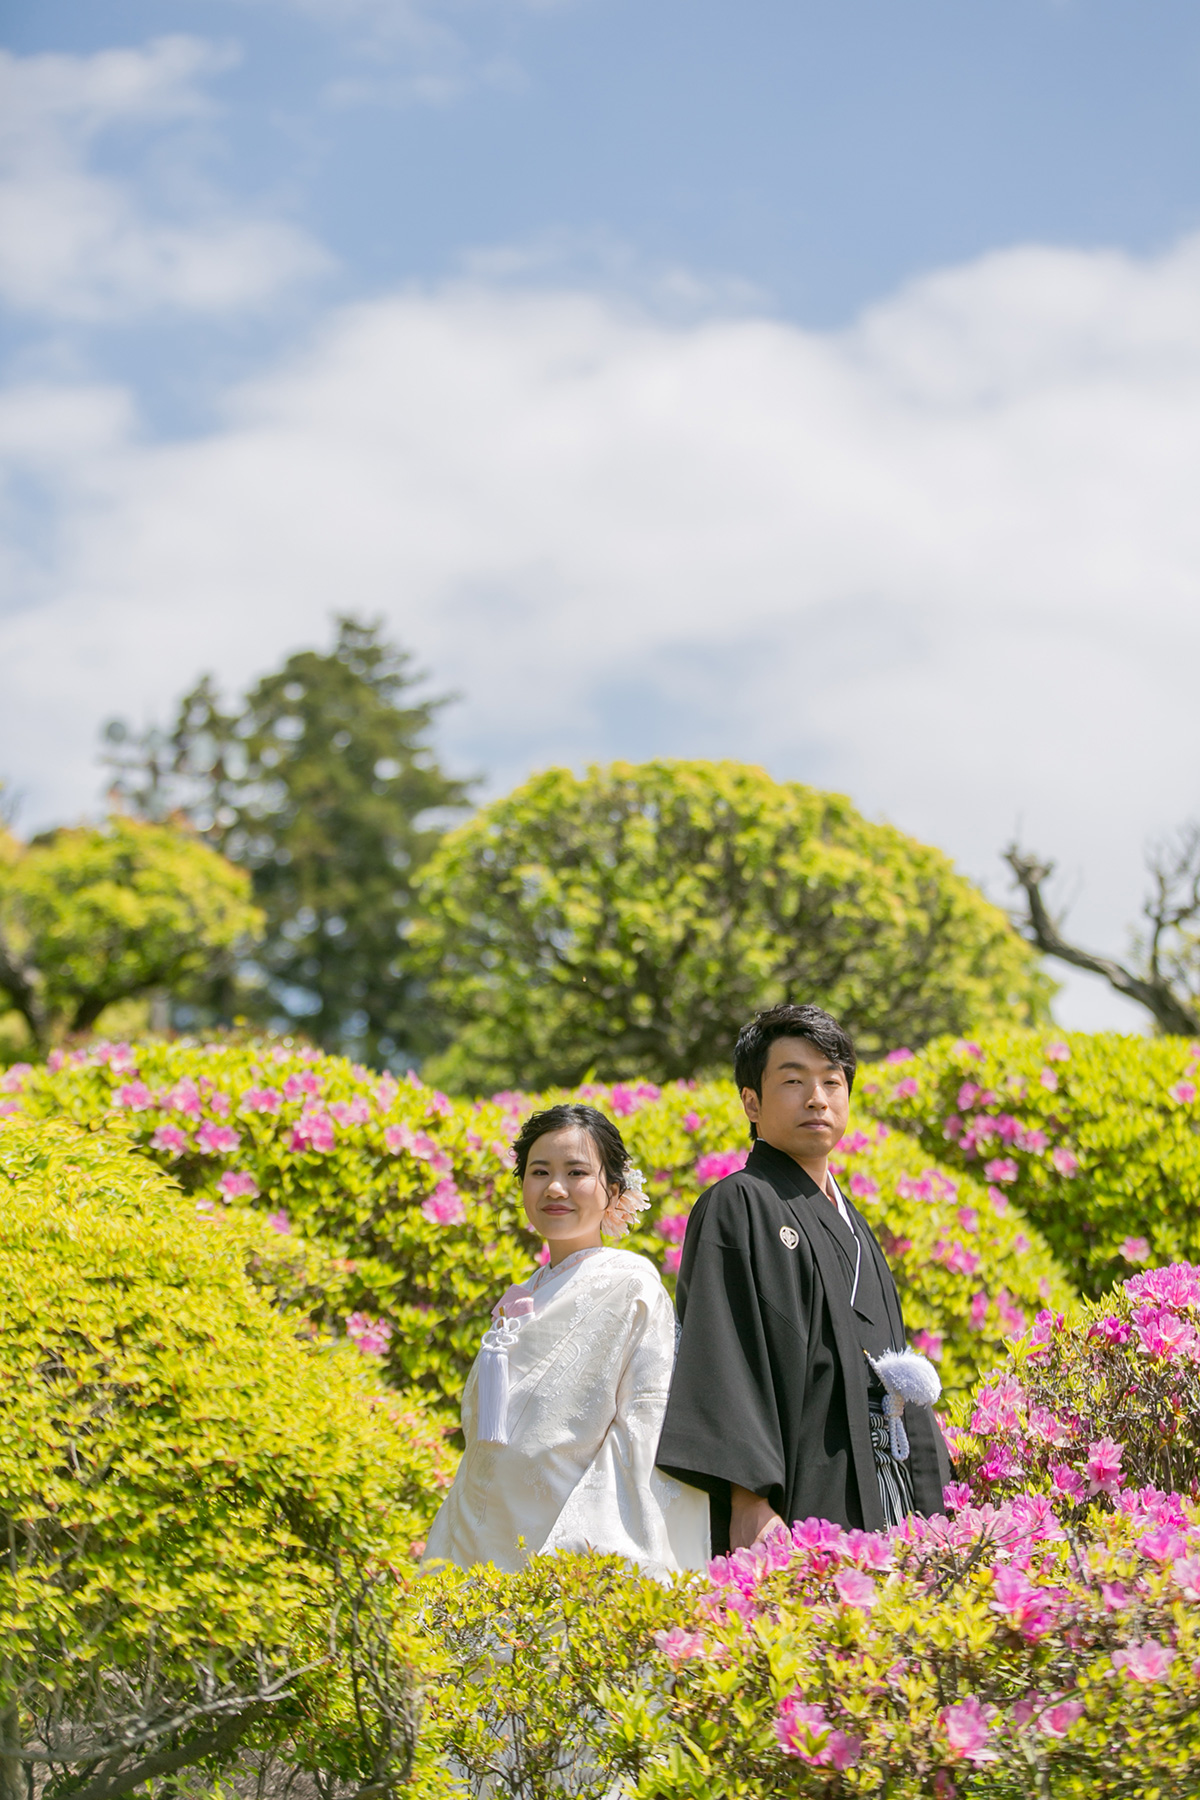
x=411, y=1199
x=1095, y=1138
x=183, y=1481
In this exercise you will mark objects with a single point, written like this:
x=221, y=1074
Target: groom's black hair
x=811, y=1022
x=613, y=1155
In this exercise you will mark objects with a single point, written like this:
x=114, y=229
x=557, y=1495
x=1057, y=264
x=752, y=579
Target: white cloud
x=77, y=244
x=946, y=560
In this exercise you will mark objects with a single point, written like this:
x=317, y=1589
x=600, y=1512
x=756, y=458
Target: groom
x=774, y=1409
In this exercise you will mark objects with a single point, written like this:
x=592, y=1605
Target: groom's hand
x=750, y=1518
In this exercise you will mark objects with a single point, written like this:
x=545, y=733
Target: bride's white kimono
x=588, y=1380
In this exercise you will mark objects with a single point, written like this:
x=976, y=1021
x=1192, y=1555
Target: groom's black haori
x=771, y=1386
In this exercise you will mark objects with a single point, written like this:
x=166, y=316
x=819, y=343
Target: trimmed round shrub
x=1095, y=1137
x=411, y=1199
x=184, y=1482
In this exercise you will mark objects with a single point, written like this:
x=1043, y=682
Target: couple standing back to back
x=587, y=1428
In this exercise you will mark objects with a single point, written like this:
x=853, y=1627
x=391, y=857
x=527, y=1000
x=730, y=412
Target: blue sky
x=812, y=384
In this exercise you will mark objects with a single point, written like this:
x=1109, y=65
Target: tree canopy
x=629, y=921
x=322, y=783
x=98, y=914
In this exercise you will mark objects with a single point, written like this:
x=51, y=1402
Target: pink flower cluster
x=371, y=1336
x=718, y=1164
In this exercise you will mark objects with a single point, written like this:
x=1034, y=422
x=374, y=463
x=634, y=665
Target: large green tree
x=99, y=914
x=322, y=782
x=628, y=922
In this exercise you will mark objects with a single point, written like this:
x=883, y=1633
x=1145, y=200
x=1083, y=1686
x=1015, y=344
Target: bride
x=563, y=1407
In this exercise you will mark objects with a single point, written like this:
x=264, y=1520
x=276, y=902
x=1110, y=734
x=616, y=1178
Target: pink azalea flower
x=967, y=1095
x=967, y=1727
x=902, y=1054
x=351, y=1112
x=444, y=1206
x=1162, y=1546
x=862, y=1187
x=1184, y=1092
x=1011, y=1316
x=185, y=1097
x=1111, y=1330
x=930, y=1344
x=967, y=1047
x=1144, y=1662
x=399, y=1137
x=1008, y=1129
x=1162, y=1332
x=217, y=1140
x=999, y=1199
x=371, y=1336
x=1068, y=1482
x=623, y=1101
x=236, y=1184
x=959, y=1260
x=855, y=1589
x=263, y=1100
x=692, y=1121
x=219, y=1103
x=1049, y=1080
x=1177, y=1286
x=856, y=1143
x=1065, y=1161
x=1057, y=1720
x=1046, y=1323
x=1001, y=1168
x=968, y=1218
x=1114, y=1595
x=804, y=1732
x=1001, y=1464
x=908, y=1089
x=672, y=1227
x=14, y=1078
x=673, y=1259
x=678, y=1645
x=979, y=1311
x=1185, y=1573
x=279, y=1221
x=135, y=1095
x=1104, y=1466
x=718, y=1164
x=543, y=1256
x=956, y=1495
x=312, y=1131
x=998, y=1407
x=170, y=1138
x=1058, y=1051
x=1033, y=1141
x=952, y=1127
x=297, y=1086
x=1048, y=1427
x=1135, y=1249
x=1026, y=1608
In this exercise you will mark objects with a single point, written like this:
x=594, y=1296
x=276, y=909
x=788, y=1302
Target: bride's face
x=565, y=1191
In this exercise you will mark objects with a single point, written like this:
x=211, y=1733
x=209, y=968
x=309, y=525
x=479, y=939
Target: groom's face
x=805, y=1103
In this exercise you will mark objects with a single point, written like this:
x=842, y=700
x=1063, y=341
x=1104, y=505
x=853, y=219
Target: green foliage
x=97, y=914
x=1043, y=1639
x=410, y=1197
x=322, y=783
x=185, y=1485
x=1106, y=1156
x=630, y=921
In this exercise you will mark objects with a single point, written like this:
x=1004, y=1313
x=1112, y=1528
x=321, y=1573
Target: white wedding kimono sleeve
x=622, y=1505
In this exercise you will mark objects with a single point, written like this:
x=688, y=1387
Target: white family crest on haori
x=560, y=1447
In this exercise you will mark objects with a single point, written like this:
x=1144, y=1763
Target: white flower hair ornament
x=629, y=1204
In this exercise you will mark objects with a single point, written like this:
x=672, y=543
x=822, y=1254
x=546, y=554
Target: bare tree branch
x=1154, y=991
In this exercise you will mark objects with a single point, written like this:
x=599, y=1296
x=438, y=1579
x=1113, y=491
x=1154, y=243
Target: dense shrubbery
x=1044, y=1639
x=188, y=1492
x=633, y=917
x=410, y=1196
x=1095, y=1138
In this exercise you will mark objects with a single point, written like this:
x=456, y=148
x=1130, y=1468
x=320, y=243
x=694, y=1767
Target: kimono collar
x=783, y=1172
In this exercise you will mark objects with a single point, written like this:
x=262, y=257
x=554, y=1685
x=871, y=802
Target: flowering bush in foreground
x=1095, y=1137
x=410, y=1197
x=1040, y=1638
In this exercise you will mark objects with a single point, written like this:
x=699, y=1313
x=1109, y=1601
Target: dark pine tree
x=322, y=782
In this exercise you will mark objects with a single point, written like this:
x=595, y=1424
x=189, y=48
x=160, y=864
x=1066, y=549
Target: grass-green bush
x=185, y=1485
x=410, y=1197
x=1096, y=1138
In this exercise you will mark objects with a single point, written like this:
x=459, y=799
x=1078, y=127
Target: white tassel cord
x=906, y=1376
x=491, y=1393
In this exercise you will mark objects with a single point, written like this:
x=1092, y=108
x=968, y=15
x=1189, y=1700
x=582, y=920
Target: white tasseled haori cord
x=508, y=1315
x=906, y=1375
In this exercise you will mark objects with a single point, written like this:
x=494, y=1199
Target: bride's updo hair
x=614, y=1157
